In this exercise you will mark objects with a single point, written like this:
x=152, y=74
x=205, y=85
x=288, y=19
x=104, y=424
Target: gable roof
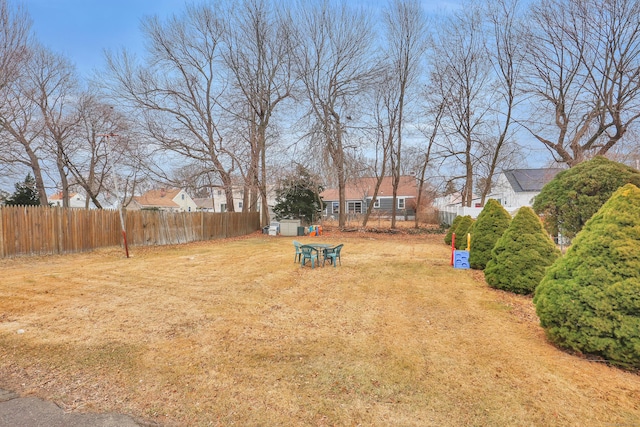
x=204, y=202
x=530, y=179
x=158, y=198
x=361, y=188
x=58, y=196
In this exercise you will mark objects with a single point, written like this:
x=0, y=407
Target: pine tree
x=491, y=223
x=589, y=301
x=521, y=255
x=26, y=194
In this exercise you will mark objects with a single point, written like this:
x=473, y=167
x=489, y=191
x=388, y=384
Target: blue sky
x=82, y=29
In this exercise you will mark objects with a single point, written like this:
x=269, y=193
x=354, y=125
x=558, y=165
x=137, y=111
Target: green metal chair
x=333, y=254
x=309, y=253
x=298, y=256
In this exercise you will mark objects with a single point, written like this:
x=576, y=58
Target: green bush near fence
x=462, y=229
x=589, y=301
x=452, y=229
x=491, y=223
x=521, y=255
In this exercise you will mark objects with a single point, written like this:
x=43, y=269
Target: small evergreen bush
x=521, y=255
x=491, y=223
x=452, y=229
x=462, y=229
x=589, y=301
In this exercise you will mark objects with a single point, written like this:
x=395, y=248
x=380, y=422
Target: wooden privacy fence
x=37, y=230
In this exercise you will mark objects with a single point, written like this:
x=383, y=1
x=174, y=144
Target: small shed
x=289, y=227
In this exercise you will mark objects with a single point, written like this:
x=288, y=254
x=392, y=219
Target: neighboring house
x=76, y=200
x=359, y=195
x=204, y=204
x=513, y=188
x=218, y=201
x=517, y=187
x=174, y=200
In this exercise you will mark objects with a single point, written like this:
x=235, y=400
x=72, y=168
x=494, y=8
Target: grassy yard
x=234, y=333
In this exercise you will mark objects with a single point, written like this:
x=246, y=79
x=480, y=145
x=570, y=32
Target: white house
x=218, y=200
x=513, y=188
x=76, y=200
x=174, y=200
x=517, y=187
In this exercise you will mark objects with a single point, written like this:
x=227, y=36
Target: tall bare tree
x=503, y=47
x=54, y=93
x=20, y=128
x=179, y=88
x=406, y=44
x=334, y=63
x=258, y=54
x=461, y=74
x=583, y=61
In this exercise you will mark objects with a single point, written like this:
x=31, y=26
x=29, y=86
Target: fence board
x=36, y=230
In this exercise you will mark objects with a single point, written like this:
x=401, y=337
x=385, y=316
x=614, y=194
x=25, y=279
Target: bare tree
x=259, y=56
x=385, y=119
x=406, y=44
x=583, y=60
x=54, y=92
x=15, y=27
x=502, y=49
x=422, y=160
x=334, y=64
x=20, y=128
x=92, y=160
x=461, y=74
x=179, y=87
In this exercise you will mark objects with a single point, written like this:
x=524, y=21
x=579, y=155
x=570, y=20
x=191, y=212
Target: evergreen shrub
x=462, y=229
x=491, y=223
x=575, y=195
x=589, y=301
x=521, y=255
x=452, y=229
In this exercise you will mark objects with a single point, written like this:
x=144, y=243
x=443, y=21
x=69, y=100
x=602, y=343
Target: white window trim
x=401, y=201
x=376, y=203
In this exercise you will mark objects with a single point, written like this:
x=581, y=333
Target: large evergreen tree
x=589, y=301
x=298, y=196
x=574, y=195
x=26, y=194
x=521, y=255
x=491, y=223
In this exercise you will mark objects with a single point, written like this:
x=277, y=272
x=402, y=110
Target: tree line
x=235, y=94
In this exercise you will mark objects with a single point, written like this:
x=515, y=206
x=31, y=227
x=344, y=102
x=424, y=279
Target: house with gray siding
x=359, y=195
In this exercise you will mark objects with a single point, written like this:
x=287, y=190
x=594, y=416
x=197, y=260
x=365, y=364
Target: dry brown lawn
x=234, y=333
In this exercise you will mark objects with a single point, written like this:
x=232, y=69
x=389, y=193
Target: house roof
x=204, y=202
x=58, y=196
x=361, y=188
x=158, y=198
x=530, y=179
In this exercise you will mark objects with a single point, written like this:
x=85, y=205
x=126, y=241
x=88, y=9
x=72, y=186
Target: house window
x=239, y=205
x=223, y=207
x=354, y=207
x=376, y=204
x=219, y=192
x=400, y=203
x=182, y=196
x=336, y=208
